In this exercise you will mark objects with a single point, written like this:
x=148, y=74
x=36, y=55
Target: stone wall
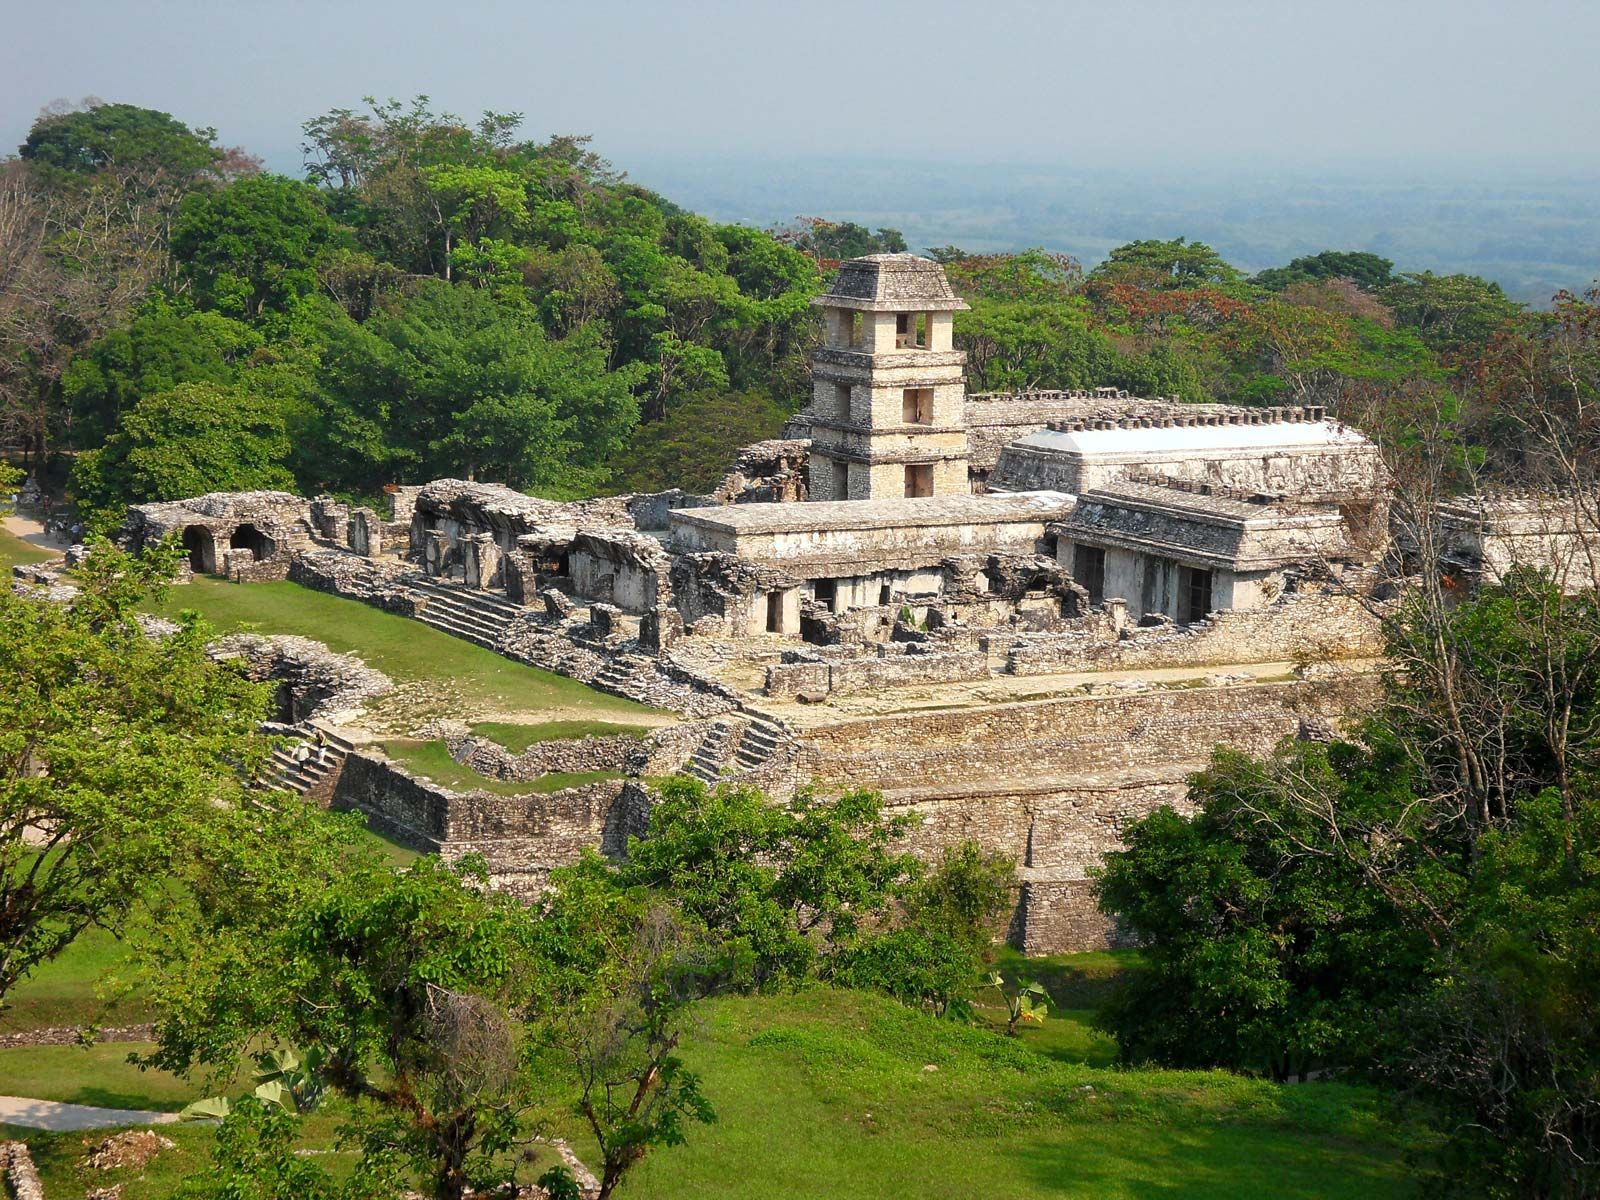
x=983, y=748
x=1051, y=784
x=1306, y=626
x=896, y=665
x=520, y=837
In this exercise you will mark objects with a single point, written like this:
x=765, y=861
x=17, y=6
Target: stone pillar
x=660, y=629
x=364, y=533
x=402, y=503
x=435, y=552
x=480, y=560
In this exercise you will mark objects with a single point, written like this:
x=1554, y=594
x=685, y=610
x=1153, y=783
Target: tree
x=1369, y=272
x=99, y=136
x=254, y=246
x=1451, y=313
x=164, y=345
x=930, y=953
x=196, y=438
x=1258, y=957
x=1178, y=263
x=621, y=969
x=772, y=884
x=72, y=262
x=462, y=381
x=121, y=758
x=408, y=985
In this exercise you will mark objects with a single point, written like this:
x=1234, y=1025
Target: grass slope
x=473, y=681
x=14, y=551
x=432, y=760
x=517, y=738
x=829, y=1094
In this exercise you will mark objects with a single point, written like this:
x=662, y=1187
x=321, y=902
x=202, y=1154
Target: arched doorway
x=248, y=537
x=201, y=548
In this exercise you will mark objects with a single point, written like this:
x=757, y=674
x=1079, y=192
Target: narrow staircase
x=705, y=764
x=287, y=772
x=762, y=736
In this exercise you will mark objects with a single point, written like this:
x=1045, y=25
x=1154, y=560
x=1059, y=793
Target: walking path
x=56, y=1117
x=31, y=530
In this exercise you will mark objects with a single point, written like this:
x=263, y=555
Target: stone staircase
x=477, y=616
x=285, y=772
x=762, y=737
x=706, y=763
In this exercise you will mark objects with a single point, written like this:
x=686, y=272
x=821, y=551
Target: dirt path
x=55, y=1117
x=31, y=531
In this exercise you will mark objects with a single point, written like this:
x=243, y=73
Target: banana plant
x=282, y=1078
x=1027, y=1002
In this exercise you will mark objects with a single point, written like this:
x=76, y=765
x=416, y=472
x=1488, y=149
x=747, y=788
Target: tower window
x=916, y=406
x=841, y=479
x=841, y=401
x=855, y=329
x=919, y=479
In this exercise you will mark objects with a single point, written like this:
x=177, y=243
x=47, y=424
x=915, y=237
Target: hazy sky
x=1274, y=84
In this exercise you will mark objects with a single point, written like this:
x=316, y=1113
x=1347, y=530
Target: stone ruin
x=1026, y=618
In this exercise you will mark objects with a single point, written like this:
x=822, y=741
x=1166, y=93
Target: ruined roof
x=749, y=519
x=891, y=283
x=1195, y=526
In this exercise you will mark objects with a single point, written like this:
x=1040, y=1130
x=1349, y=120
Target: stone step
x=497, y=602
x=482, y=635
x=465, y=614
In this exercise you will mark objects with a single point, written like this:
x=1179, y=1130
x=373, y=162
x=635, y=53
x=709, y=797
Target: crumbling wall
x=315, y=683
x=895, y=664
x=627, y=569
x=1313, y=625
x=521, y=838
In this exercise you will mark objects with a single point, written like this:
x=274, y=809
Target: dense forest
x=437, y=297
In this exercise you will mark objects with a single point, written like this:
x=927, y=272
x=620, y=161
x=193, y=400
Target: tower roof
x=891, y=283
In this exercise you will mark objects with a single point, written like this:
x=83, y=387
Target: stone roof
x=755, y=519
x=891, y=283
x=1198, y=527
x=1146, y=437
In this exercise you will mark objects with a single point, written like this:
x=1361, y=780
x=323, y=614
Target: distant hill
x=1534, y=236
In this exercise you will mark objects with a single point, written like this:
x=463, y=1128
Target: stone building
x=1026, y=618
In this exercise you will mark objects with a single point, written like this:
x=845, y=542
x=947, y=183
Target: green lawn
x=62, y=991
x=432, y=760
x=850, y=1096
x=14, y=551
x=467, y=680
x=99, y=1074
x=517, y=738
x=828, y=1094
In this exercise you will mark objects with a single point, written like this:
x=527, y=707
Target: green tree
x=1370, y=272
x=163, y=346
x=773, y=884
x=407, y=985
x=121, y=758
x=254, y=246
x=1257, y=957
x=620, y=970
x=1451, y=313
x=101, y=136
x=196, y=438
x=1157, y=264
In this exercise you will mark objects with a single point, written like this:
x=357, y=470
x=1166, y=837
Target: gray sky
x=1407, y=84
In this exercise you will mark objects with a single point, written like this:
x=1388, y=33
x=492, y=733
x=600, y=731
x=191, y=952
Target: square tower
x=888, y=388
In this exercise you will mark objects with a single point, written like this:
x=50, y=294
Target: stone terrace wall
x=845, y=676
x=520, y=837
x=981, y=749
x=1300, y=627
x=1052, y=784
